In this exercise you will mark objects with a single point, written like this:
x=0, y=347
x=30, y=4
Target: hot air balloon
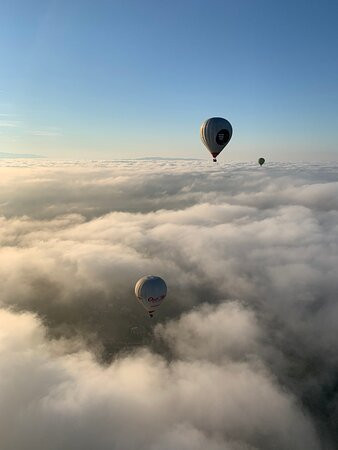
x=261, y=161
x=150, y=292
x=215, y=135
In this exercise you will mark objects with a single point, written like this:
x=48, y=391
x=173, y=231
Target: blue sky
x=131, y=78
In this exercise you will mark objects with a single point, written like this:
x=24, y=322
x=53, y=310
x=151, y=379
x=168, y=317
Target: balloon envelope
x=261, y=161
x=215, y=134
x=150, y=292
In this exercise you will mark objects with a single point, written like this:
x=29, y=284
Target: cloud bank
x=243, y=353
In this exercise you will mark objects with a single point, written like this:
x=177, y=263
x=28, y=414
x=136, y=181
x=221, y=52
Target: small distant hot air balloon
x=215, y=135
x=150, y=292
x=261, y=161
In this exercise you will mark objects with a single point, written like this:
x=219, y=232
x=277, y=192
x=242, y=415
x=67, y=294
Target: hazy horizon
x=223, y=160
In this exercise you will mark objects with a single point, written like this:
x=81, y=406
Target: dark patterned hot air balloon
x=216, y=134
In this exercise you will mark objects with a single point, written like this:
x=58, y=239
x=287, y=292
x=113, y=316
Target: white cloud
x=48, y=132
x=244, y=354
x=10, y=123
x=141, y=399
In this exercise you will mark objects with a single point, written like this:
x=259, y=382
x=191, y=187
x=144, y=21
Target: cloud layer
x=243, y=353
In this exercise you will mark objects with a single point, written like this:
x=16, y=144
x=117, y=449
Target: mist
x=241, y=355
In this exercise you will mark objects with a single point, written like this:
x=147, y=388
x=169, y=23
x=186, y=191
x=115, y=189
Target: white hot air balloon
x=215, y=135
x=150, y=292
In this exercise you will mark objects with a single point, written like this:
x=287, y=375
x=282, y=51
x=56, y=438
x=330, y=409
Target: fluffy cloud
x=58, y=400
x=242, y=354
